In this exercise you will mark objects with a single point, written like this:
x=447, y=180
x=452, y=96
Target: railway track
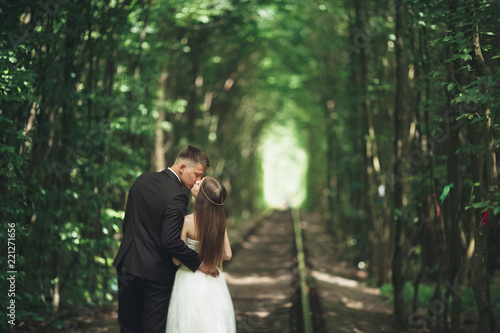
x=287, y=277
x=262, y=278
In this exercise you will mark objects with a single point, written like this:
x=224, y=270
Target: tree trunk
x=378, y=235
x=158, y=162
x=453, y=203
x=330, y=162
x=198, y=41
x=397, y=261
x=452, y=223
x=480, y=273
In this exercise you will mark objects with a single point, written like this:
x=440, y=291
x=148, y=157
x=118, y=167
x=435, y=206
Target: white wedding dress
x=199, y=303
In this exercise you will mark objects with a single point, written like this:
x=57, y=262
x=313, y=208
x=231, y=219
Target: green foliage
x=426, y=292
x=80, y=105
x=87, y=87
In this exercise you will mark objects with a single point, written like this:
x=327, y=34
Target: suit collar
x=169, y=172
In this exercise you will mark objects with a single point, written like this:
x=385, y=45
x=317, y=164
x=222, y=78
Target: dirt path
x=345, y=304
x=260, y=277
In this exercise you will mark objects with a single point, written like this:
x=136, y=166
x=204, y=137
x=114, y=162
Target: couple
x=157, y=237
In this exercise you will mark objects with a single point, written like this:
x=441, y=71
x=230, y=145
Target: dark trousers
x=142, y=304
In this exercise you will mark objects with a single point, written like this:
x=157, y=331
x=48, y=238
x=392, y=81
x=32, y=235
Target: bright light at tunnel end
x=284, y=166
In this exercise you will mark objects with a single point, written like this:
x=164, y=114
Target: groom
x=152, y=226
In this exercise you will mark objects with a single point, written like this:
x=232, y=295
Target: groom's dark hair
x=193, y=154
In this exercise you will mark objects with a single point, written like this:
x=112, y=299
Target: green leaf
x=477, y=119
x=466, y=57
x=434, y=42
x=479, y=205
x=9, y=149
x=114, y=213
x=445, y=193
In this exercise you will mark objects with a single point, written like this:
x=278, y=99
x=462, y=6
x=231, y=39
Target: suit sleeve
x=173, y=220
x=127, y=213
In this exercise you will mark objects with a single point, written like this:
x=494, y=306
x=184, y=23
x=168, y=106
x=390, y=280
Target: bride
x=202, y=303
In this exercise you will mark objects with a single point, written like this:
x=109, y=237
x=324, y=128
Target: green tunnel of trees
x=395, y=104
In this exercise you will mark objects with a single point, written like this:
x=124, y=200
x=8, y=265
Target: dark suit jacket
x=152, y=227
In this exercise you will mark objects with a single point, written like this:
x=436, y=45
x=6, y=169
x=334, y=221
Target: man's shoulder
x=160, y=176
x=144, y=176
x=159, y=184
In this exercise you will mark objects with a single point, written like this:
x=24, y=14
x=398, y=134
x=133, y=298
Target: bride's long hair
x=211, y=221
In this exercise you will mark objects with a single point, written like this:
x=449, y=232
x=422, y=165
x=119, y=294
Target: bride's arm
x=227, y=253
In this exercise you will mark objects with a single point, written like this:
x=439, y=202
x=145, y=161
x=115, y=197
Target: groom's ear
x=182, y=168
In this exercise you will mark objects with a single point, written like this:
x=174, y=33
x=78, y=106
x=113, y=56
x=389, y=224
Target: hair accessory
x=215, y=203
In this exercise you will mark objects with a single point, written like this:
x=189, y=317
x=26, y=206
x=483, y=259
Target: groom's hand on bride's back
x=203, y=269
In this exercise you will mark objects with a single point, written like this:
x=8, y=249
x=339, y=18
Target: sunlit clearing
x=284, y=164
